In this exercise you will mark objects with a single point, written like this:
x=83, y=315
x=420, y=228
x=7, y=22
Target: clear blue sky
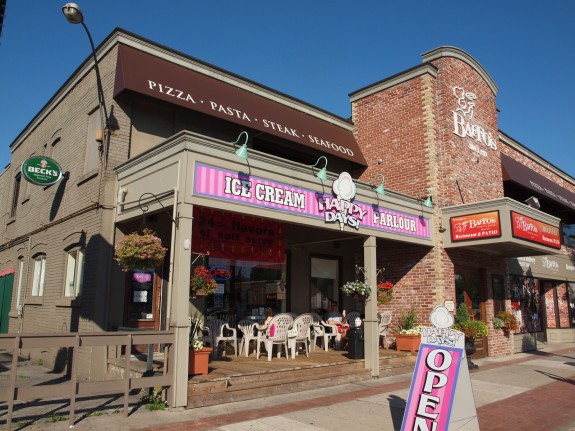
x=315, y=50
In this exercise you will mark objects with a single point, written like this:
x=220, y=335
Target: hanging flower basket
x=201, y=282
x=140, y=251
x=384, y=292
x=356, y=287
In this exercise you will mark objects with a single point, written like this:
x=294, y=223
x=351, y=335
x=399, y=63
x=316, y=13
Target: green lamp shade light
x=242, y=152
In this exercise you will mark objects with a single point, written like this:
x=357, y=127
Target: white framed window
x=39, y=275
x=74, y=273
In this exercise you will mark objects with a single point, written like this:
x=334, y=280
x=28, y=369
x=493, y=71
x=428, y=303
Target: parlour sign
x=440, y=396
x=475, y=226
x=339, y=209
x=464, y=126
x=42, y=171
x=529, y=229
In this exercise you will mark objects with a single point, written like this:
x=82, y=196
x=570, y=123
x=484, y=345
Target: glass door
x=324, y=280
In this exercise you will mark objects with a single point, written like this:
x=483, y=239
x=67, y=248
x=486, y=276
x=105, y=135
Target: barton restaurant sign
x=42, y=171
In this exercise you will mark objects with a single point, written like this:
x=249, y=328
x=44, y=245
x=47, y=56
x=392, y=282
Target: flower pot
x=407, y=342
x=198, y=361
x=201, y=292
x=470, y=349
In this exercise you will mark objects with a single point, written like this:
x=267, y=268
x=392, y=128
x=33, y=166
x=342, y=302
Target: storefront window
x=571, y=287
x=526, y=304
x=245, y=288
x=558, y=304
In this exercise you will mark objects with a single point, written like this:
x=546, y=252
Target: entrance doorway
x=6, y=282
x=469, y=290
x=324, y=283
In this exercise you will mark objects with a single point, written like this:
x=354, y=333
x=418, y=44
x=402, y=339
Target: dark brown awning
x=161, y=79
x=515, y=171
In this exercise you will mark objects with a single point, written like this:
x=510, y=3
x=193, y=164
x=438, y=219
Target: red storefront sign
x=475, y=226
x=236, y=236
x=534, y=230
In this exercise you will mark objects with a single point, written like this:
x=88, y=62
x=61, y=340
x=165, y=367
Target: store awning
x=541, y=186
x=218, y=96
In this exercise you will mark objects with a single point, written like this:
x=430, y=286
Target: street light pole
x=74, y=15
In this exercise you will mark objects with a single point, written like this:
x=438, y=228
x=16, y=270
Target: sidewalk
x=532, y=390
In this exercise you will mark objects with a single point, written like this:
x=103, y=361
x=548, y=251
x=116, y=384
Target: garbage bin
x=355, y=344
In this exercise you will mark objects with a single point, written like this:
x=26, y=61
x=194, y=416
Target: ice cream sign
x=440, y=396
x=341, y=209
x=337, y=208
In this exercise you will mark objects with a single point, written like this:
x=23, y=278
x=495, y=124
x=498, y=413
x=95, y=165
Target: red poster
x=237, y=236
x=475, y=226
x=534, y=230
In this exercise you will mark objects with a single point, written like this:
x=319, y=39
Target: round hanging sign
x=42, y=171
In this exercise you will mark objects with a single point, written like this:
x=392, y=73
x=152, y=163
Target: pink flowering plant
x=140, y=251
x=201, y=282
x=384, y=292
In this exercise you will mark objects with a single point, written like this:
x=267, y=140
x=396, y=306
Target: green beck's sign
x=42, y=171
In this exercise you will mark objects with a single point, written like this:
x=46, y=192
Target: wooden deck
x=231, y=365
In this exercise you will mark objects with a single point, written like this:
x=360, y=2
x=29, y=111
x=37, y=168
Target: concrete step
x=247, y=386
x=243, y=388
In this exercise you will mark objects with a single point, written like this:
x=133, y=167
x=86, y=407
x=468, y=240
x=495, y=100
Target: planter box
x=407, y=342
x=198, y=361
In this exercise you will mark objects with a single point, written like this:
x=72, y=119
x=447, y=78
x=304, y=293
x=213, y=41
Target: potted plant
x=384, y=292
x=471, y=328
x=407, y=331
x=505, y=321
x=201, y=282
x=199, y=355
x=356, y=288
x=140, y=251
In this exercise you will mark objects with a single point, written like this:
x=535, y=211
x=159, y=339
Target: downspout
x=172, y=253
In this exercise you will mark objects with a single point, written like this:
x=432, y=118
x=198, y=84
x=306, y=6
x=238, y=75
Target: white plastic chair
x=275, y=334
x=222, y=332
x=299, y=334
x=384, y=319
x=323, y=331
x=248, y=328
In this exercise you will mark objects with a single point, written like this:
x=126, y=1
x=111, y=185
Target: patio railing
x=73, y=388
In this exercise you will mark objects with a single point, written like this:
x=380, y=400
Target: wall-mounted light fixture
x=322, y=173
x=428, y=202
x=242, y=152
x=533, y=202
x=379, y=189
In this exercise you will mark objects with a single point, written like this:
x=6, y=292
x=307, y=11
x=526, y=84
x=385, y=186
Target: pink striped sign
x=432, y=388
x=223, y=184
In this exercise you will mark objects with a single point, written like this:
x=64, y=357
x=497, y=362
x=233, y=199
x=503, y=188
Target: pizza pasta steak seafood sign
x=42, y=171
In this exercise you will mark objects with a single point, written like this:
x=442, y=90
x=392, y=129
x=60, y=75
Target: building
x=451, y=226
